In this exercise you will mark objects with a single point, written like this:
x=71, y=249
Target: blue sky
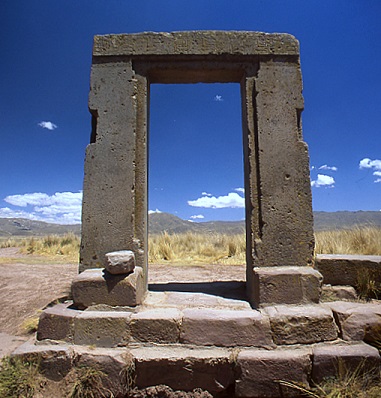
x=196, y=169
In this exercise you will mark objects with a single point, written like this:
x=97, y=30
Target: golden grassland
x=54, y=248
x=195, y=248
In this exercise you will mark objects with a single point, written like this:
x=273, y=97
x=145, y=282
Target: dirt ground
x=29, y=283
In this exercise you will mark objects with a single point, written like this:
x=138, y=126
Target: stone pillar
x=279, y=221
x=114, y=213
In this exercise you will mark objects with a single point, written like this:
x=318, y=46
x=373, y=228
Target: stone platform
x=203, y=340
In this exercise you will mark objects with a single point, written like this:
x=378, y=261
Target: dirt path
x=27, y=286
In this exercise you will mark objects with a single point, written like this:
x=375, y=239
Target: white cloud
x=60, y=208
x=6, y=212
x=323, y=181
x=367, y=163
x=198, y=216
x=43, y=199
x=242, y=190
x=375, y=164
x=326, y=167
x=231, y=200
x=48, y=125
x=218, y=98
x=154, y=211
x=206, y=194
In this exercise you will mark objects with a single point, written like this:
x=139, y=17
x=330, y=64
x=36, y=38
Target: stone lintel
x=196, y=43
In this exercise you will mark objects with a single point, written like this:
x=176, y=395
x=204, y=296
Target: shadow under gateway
x=235, y=290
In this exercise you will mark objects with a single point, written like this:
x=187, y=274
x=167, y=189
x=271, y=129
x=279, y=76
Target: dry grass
x=66, y=246
x=230, y=249
x=213, y=248
x=197, y=248
x=355, y=383
x=18, y=378
x=10, y=242
x=358, y=240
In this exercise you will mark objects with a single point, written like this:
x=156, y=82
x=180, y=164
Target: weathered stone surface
x=120, y=262
x=357, y=321
x=112, y=362
x=260, y=372
x=9, y=343
x=338, y=360
x=277, y=188
x=280, y=211
x=335, y=293
x=184, y=368
x=156, y=325
x=184, y=300
x=291, y=324
x=114, y=208
x=102, y=329
x=55, y=361
x=286, y=285
x=340, y=269
x=225, y=328
x=95, y=286
x=196, y=43
x=57, y=323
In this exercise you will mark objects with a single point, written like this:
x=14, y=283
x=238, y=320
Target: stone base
x=285, y=285
x=233, y=372
x=97, y=286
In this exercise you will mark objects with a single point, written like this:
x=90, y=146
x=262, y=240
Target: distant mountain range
x=160, y=222
x=323, y=221
x=23, y=227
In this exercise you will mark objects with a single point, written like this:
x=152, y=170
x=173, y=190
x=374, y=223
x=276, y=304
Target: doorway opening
x=196, y=206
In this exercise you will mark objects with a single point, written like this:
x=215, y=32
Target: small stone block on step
x=120, y=262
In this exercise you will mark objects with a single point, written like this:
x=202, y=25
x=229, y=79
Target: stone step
x=237, y=372
x=221, y=327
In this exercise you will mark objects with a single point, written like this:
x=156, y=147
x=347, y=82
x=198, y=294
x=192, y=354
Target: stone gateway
x=279, y=223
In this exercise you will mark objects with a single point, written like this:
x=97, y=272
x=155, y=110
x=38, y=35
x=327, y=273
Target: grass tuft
x=89, y=383
x=30, y=325
x=18, y=378
x=357, y=383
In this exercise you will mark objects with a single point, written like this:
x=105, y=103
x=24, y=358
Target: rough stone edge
x=188, y=43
